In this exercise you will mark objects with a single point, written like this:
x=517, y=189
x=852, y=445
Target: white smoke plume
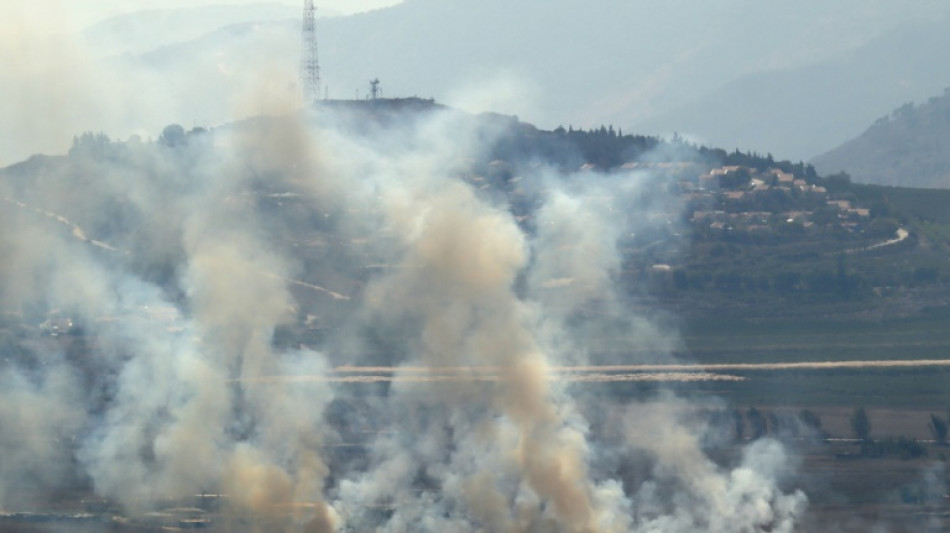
x=709, y=497
x=160, y=418
x=513, y=455
x=185, y=261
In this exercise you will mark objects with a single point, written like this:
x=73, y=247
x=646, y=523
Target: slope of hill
x=562, y=61
x=139, y=32
x=215, y=311
x=556, y=60
x=801, y=112
x=910, y=147
x=739, y=233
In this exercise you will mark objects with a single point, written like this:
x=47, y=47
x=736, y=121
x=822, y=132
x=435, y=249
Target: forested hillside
x=910, y=148
x=729, y=231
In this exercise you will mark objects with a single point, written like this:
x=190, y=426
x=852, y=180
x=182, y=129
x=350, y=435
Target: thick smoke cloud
x=708, y=497
x=180, y=309
x=364, y=236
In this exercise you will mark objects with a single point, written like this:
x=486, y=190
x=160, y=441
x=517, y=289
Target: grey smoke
x=183, y=386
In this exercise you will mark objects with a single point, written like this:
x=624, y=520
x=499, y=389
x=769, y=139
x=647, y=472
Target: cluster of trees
x=89, y=143
x=760, y=163
x=100, y=146
x=902, y=447
x=607, y=147
x=816, y=281
x=754, y=423
x=783, y=280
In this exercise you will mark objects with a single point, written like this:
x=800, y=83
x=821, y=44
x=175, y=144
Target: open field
x=898, y=370
x=923, y=335
x=846, y=493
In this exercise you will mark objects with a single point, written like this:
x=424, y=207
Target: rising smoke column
x=178, y=313
x=577, y=265
x=163, y=410
x=511, y=456
x=238, y=294
x=470, y=288
x=458, y=258
x=705, y=496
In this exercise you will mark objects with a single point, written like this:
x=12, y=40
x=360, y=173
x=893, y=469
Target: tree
x=811, y=424
x=883, y=227
x=786, y=282
x=780, y=426
x=757, y=423
x=90, y=144
x=810, y=419
x=843, y=281
x=173, y=135
x=861, y=425
x=824, y=215
x=837, y=182
x=736, y=179
x=938, y=428
x=881, y=208
x=738, y=424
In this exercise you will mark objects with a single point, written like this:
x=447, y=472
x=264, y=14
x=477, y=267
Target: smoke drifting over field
x=377, y=233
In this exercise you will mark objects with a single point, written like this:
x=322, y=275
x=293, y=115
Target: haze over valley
x=485, y=267
x=794, y=81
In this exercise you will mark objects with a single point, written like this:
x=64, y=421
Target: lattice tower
x=309, y=67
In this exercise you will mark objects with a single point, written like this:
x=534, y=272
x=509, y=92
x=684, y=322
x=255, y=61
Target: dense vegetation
x=748, y=241
x=754, y=239
x=761, y=260
x=909, y=147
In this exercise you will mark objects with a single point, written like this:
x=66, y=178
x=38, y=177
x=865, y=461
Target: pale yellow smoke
x=463, y=257
x=742, y=498
x=253, y=482
x=486, y=504
x=657, y=428
x=239, y=294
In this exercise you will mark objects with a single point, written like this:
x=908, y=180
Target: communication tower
x=309, y=67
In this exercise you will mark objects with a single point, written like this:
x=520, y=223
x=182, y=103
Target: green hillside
x=739, y=236
x=910, y=147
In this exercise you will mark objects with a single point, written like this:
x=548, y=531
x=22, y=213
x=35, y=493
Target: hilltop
x=909, y=147
x=736, y=74
x=737, y=233
x=254, y=325
x=805, y=110
x=142, y=31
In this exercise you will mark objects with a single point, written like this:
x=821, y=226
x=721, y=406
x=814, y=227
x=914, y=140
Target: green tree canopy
x=861, y=424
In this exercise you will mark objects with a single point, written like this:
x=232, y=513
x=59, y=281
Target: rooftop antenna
x=309, y=67
x=374, y=90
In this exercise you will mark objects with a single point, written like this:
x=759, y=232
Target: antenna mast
x=309, y=67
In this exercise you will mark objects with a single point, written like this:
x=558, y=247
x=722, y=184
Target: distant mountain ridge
x=909, y=148
x=141, y=31
x=633, y=64
x=798, y=235
x=722, y=73
x=798, y=113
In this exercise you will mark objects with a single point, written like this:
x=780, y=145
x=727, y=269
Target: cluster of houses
x=728, y=197
x=734, y=197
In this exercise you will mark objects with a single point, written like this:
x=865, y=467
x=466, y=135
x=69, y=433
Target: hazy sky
x=54, y=15
x=478, y=55
x=53, y=88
